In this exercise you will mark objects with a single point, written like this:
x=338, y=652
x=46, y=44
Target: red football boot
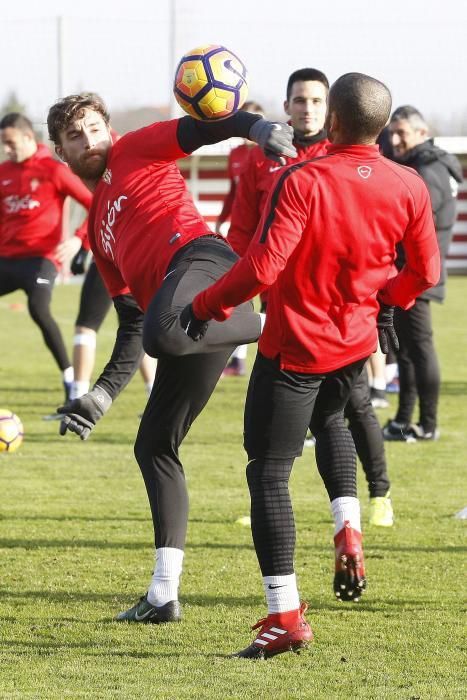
x=288, y=631
x=349, y=579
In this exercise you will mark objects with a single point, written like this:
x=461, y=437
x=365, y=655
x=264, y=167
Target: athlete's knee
x=322, y=422
x=166, y=337
x=359, y=413
x=39, y=308
x=268, y=471
x=253, y=471
x=153, y=443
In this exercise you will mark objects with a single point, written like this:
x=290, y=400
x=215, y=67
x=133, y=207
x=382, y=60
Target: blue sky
x=123, y=49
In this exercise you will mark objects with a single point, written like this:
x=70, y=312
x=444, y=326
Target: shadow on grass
x=48, y=648
x=103, y=544
x=453, y=388
x=119, y=601
x=78, y=518
x=372, y=551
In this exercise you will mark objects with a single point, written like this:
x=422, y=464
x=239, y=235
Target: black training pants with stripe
x=281, y=405
x=186, y=375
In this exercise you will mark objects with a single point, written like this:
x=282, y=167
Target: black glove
x=275, y=139
x=81, y=415
x=193, y=327
x=385, y=324
x=78, y=263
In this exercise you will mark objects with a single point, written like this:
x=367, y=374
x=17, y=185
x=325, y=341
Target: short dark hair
x=410, y=114
x=16, y=120
x=363, y=105
x=303, y=74
x=405, y=112
x=66, y=110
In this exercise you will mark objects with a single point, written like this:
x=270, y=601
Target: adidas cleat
x=381, y=512
x=144, y=612
x=280, y=632
x=349, y=578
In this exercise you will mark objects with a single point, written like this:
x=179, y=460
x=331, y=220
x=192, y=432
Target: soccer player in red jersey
x=305, y=104
x=94, y=304
x=155, y=252
x=33, y=189
x=237, y=162
x=325, y=248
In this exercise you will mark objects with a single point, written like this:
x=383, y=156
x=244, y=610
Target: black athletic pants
x=367, y=436
x=419, y=374
x=186, y=375
x=95, y=300
x=280, y=406
x=36, y=276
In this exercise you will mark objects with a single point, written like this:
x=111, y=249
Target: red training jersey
x=326, y=246
x=32, y=194
x=236, y=164
x=142, y=212
x=256, y=178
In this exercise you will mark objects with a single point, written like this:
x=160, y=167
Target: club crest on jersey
x=34, y=184
x=107, y=176
x=364, y=171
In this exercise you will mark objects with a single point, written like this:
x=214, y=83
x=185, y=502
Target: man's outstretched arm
x=275, y=138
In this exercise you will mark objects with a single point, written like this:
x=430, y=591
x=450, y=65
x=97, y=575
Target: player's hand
x=81, y=415
x=194, y=327
x=275, y=138
x=386, y=332
x=67, y=249
x=78, y=263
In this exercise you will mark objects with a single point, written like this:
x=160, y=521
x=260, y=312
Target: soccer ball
x=11, y=431
x=210, y=83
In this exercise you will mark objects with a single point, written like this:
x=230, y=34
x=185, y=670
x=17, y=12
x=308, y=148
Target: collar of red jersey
x=359, y=150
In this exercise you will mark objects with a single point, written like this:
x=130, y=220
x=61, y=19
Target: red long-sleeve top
x=325, y=247
x=32, y=194
x=256, y=178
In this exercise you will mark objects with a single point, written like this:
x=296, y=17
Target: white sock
x=281, y=593
x=241, y=352
x=68, y=375
x=78, y=388
x=263, y=321
x=379, y=383
x=166, y=576
x=346, y=508
x=392, y=371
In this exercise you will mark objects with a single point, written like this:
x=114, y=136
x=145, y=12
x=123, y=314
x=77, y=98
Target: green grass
x=76, y=547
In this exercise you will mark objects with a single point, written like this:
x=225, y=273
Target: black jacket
x=442, y=174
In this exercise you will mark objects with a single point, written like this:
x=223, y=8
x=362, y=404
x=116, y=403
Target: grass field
x=76, y=548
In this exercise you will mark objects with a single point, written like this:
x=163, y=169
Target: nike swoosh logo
x=143, y=617
x=228, y=65
x=273, y=170
x=273, y=587
x=41, y=280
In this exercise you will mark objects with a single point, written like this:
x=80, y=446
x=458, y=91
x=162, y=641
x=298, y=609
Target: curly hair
x=66, y=110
